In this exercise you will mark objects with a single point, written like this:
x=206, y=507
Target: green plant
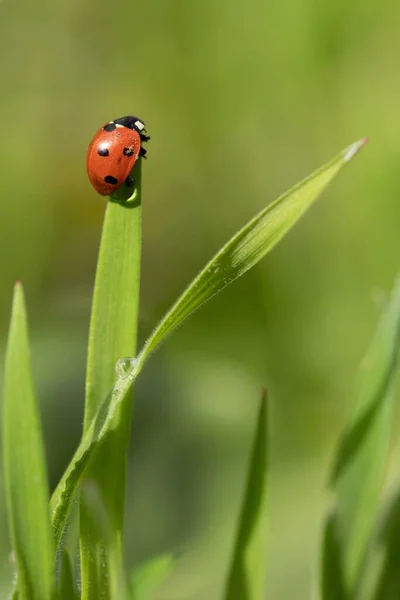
x=96, y=473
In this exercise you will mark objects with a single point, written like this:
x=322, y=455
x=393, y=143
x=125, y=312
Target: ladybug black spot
x=110, y=127
x=103, y=151
x=110, y=179
x=128, y=151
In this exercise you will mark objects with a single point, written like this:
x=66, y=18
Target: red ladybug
x=112, y=153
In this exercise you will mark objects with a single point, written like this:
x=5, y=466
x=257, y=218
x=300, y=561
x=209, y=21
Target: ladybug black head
x=131, y=122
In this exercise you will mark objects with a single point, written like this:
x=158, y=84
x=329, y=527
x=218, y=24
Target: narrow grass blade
x=248, y=247
x=145, y=578
x=113, y=330
x=24, y=466
x=247, y=573
x=243, y=251
x=359, y=468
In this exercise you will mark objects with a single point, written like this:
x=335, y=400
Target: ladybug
x=112, y=153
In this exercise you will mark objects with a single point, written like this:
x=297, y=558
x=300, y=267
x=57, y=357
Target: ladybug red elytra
x=112, y=153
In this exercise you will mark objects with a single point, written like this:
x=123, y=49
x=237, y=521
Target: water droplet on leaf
x=125, y=367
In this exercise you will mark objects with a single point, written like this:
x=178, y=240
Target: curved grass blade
x=243, y=251
x=247, y=573
x=113, y=331
x=359, y=468
x=247, y=247
x=24, y=466
x=145, y=578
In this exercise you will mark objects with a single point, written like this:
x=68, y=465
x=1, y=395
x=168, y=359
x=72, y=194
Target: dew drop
x=125, y=367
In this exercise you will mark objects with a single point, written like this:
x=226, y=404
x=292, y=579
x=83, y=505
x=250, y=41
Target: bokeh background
x=242, y=100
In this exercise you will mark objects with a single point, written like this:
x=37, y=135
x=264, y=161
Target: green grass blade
x=113, y=323
x=113, y=331
x=247, y=574
x=360, y=464
x=25, y=475
x=248, y=246
x=145, y=578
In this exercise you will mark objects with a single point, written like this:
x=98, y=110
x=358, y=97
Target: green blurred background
x=242, y=100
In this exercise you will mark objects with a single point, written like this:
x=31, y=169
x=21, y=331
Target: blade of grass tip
x=113, y=332
x=146, y=577
x=247, y=571
x=361, y=457
x=248, y=247
x=243, y=251
x=25, y=475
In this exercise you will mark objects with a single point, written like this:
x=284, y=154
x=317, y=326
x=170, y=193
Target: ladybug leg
x=142, y=152
x=130, y=182
x=144, y=138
